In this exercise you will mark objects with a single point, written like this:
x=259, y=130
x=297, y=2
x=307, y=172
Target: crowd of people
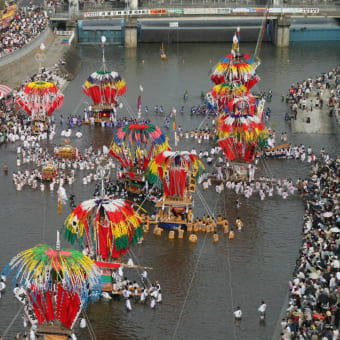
x=26, y=26
x=143, y=292
x=31, y=153
x=310, y=94
x=314, y=304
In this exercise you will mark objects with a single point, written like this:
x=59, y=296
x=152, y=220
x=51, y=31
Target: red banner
x=107, y=265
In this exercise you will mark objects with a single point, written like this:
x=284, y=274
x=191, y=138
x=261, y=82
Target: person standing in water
x=262, y=309
x=238, y=313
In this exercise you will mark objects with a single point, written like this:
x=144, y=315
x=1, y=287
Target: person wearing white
x=82, y=323
x=154, y=294
x=126, y=293
x=159, y=297
x=32, y=335
x=153, y=303
x=16, y=290
x=157, y=285
x=2, y=286
x=128, y=304
x=143, y=296
x=238, y=313
x=144, y=275
x=262, y=309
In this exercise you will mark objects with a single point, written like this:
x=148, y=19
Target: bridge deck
x=191, y=12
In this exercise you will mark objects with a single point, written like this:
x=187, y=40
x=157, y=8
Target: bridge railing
x=154, y=4
x=235, y=3
x=220, y=7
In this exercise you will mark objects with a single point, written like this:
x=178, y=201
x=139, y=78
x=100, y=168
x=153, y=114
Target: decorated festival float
x=135, y=146
x=104, y=87
x=67, y=152
x=54, y=286
x=105, y=229
x=176, y=172
x=40, y=99
x=6, y=95
x=241, y=131
x=49, y=172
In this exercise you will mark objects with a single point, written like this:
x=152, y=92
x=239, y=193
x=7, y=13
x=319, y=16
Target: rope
x=81, y=101
x=130, y=252
x=263, y=26
x=146, y=197
x=12, y=322
x=89, y=326
x=192, y=278
x=205, y=204
x=189, y=287
x=229, y=274
x=44, y=223
x=128, y=107
x=231, y=290
x=267, y=168
x=206, y=117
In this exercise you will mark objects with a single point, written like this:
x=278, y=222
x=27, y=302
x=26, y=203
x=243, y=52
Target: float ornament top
x=40, y=97
x=43, y=272
x=110, y=226
x=104, y=87
x=236, y=67
x=139, y=142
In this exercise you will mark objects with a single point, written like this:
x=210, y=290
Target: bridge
x=279, y=18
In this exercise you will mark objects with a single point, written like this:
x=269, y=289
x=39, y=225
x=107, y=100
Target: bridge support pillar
x=130, y=32
x=281, y=31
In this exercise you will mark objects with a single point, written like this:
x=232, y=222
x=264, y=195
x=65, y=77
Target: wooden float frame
x=96, y=108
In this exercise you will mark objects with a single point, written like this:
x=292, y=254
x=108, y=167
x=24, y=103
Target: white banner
x=173, y=24
x=198, y=11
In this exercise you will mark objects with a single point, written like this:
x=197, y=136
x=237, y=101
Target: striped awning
x=5, y=91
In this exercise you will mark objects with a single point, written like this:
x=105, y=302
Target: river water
x=201, y=283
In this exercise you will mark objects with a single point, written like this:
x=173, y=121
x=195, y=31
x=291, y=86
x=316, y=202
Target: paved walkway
x=15, y=72
x=320, y=122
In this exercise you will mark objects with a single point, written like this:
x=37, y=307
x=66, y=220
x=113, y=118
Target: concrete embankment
x=18, y=69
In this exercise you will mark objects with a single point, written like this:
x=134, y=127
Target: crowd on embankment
x=26, y=26
x=312, y=94
x=314, y=304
